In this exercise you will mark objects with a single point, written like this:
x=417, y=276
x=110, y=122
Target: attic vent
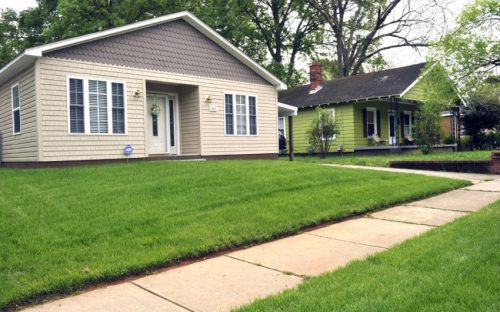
x=384, y=78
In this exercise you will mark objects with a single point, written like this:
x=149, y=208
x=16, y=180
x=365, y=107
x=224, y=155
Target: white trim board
x=29, y=55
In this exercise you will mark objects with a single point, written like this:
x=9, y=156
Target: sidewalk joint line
x=266, y=267
x=347, y=241
x=422, y=206
x=405, y=222
x=162, y=297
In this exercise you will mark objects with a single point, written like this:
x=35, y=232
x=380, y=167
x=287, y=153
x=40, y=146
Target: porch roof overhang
x=387, y=98
x=285, y=110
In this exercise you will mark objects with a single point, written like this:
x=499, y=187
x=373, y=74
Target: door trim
x=166, y=96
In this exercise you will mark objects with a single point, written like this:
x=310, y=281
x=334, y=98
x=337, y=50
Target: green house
x=375, y=111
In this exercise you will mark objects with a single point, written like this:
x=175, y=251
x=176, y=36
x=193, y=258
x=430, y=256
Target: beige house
x=167, y=87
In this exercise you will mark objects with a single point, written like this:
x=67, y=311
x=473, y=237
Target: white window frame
x=86, y=107
x=284, y=125
x=247, y=106
x=17, y=109
x=409, y=124
x=375, y=130
x=333, y=115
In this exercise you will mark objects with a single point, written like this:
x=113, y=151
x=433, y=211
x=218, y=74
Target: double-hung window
x=118, y=112
x=371, y=121
x=96, y=106
x=240, y=114
x=16, y=109
x=76, y=107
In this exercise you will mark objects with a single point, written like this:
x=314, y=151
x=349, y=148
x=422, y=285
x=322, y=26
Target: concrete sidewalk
x=237, y=278
x=472, y=177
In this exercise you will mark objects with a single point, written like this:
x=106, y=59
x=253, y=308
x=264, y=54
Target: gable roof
x=30, y=55
x=385, y=83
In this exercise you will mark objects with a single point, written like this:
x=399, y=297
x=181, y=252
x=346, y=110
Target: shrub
x=322, y=131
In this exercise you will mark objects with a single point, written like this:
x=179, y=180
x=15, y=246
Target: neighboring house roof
x=28, y=57
x=385, y=83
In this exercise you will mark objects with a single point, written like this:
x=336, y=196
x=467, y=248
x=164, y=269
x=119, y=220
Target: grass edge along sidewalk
x=450, y=268
x=383, y=160
x=67, y=229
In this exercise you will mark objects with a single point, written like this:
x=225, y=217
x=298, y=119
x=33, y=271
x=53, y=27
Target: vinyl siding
x=302, y=122
x=213, y=138
x=22, y=147
x=58, y=145
x=189, y=107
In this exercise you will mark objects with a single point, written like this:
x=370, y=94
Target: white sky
x=395, y=58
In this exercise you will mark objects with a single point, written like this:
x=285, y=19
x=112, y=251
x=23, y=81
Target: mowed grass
x=62, y=229
x=452, y=268
x=383, y=160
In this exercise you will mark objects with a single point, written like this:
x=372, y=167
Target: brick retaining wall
x=471, y=166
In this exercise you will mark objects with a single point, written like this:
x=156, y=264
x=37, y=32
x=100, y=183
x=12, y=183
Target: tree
x=472, y=51
x=439, y=95
x=362, y=29
x=483, y=112
x=287, y=28
x=53, y=20
x=322, y=131
x=9, y=36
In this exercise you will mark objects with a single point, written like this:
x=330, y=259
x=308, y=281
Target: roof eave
x=21, y=62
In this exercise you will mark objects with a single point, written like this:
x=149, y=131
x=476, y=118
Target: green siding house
x=375, y=111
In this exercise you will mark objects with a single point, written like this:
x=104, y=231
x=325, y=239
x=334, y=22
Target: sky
x=395, y=57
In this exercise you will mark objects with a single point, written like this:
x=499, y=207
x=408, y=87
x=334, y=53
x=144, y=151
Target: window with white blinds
x=241, y=114
x=96, y=106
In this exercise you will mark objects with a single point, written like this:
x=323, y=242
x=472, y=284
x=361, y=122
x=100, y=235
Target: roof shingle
x=377, y=84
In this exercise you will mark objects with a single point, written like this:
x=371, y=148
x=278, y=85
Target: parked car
x=282, y=143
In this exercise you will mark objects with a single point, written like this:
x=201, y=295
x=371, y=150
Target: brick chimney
x=315, y=77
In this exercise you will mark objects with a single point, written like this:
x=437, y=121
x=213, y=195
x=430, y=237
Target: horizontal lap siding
x=213, y=138
x=22, y=147
x=190, y=120
x=58, y=145
x=384, y=107
x=302, y=123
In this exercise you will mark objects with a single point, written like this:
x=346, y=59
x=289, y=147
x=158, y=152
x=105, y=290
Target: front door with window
x=392, y=127
x=162, y=124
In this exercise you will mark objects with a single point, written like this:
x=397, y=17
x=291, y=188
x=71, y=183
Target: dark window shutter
x=364, y=123
x=402, y=120
x=378, y=123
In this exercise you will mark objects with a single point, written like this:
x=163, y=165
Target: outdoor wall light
x=137, y=93
x=208, y=100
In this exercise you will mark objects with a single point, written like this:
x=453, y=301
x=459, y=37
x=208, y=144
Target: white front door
x=156, y=128
x=162, y=124
x=392, y=127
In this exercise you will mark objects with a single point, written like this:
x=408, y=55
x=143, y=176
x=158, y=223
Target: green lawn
x=452, y=268
x=383, y=160
x=62, y=229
